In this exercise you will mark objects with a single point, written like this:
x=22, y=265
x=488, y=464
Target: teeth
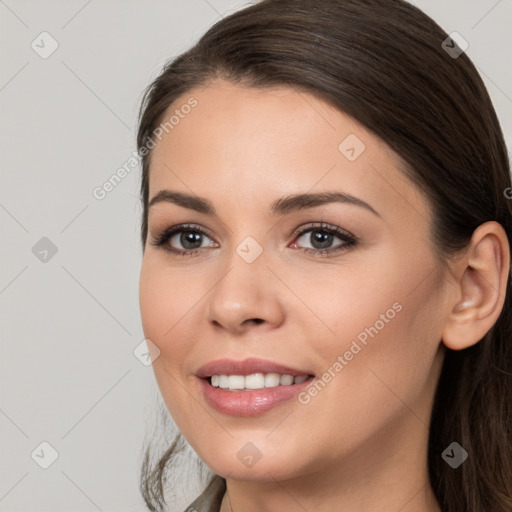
x=255, y=381
x=236, y=382
x=272, y=380
x=286, y=380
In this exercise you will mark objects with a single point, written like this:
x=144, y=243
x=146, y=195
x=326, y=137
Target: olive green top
x=211, y=498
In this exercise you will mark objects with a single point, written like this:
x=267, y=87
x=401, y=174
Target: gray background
x=71, y=322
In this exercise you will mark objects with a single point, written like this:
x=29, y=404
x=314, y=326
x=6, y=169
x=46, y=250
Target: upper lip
x=246, y=367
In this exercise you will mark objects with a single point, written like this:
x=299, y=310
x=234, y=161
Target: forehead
x=256, y=145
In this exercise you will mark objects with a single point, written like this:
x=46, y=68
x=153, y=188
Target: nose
x=247, y=296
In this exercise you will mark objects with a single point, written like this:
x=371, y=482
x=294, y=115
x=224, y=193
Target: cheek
x=380, y=328
x=387, y=296
x=166, y=297
x=163, y=302
x=346, y=301
x=154, y=302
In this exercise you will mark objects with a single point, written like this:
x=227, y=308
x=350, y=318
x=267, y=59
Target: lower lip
x=249, y=403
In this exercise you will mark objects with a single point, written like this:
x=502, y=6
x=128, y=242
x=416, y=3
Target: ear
x=483, y=272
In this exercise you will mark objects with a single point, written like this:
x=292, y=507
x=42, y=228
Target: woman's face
x=363, y=319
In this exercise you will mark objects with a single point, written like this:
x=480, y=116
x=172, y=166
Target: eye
x=321, y=237
x=190, y=237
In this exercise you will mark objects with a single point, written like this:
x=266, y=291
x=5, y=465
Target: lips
x=247, y=367
x=249, y=402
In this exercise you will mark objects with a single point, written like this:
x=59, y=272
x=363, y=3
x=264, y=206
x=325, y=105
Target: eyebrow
x=282, y=206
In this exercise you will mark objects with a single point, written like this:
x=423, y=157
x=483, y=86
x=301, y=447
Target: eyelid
x=170, y=231
x=321, y=225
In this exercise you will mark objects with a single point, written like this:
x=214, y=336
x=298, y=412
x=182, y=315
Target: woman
x=326, y=265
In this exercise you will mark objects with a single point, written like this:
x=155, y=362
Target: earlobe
x=481, y=288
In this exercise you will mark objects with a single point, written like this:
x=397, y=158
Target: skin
x=362, y=440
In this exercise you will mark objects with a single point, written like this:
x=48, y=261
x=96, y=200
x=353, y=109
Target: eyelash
x=162, y=238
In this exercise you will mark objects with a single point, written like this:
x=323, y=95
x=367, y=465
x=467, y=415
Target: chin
x=249, y=461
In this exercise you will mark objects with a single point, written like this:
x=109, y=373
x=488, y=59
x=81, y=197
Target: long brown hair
x=384, y=63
